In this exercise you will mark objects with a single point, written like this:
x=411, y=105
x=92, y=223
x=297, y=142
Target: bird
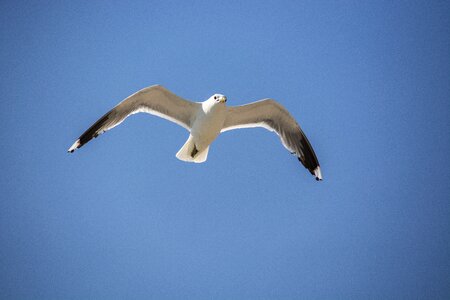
x=206, y=120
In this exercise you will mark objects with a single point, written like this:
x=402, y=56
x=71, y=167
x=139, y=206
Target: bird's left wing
x=272, y=116
x=155, y=100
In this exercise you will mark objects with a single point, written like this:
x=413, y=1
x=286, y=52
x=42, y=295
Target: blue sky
x=123, y=218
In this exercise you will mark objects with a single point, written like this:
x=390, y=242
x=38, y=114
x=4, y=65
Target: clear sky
x=368, y=81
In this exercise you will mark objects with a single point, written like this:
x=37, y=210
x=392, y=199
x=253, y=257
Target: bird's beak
x=223, y=99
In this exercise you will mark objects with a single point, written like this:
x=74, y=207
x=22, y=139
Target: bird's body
x=208, y=124
x=206, y=120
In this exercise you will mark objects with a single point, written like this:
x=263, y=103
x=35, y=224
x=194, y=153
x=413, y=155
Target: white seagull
x=206, y=120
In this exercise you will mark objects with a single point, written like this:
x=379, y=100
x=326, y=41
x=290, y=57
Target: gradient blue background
x=123, y=218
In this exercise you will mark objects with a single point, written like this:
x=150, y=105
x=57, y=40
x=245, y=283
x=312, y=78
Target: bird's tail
x=190, y=153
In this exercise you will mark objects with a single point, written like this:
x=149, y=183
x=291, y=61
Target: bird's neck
x=209, y=106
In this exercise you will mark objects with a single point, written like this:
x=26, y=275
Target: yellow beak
x=223, y=99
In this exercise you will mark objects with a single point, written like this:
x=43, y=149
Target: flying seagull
x=206, y=120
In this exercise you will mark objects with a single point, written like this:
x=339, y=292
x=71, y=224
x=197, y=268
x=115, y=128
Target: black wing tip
x=75, y=146
x=314, y=170
x=317, y=173
x=91, y=133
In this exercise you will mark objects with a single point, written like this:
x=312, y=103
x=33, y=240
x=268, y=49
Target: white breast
x=208, y=124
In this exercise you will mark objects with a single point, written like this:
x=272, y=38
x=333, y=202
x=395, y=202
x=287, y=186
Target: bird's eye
x=215, y=97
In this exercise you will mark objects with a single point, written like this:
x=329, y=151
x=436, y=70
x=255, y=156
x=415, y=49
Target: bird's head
x=218, y=98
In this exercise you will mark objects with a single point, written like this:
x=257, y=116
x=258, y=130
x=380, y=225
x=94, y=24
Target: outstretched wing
x=271, y=115
x=155, y=100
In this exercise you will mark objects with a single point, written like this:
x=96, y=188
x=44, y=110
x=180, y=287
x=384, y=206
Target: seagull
x=206, y=120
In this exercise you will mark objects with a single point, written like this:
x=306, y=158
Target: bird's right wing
x=155, y=100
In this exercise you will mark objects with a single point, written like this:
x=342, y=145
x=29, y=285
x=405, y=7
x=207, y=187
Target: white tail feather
x=185, y=152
